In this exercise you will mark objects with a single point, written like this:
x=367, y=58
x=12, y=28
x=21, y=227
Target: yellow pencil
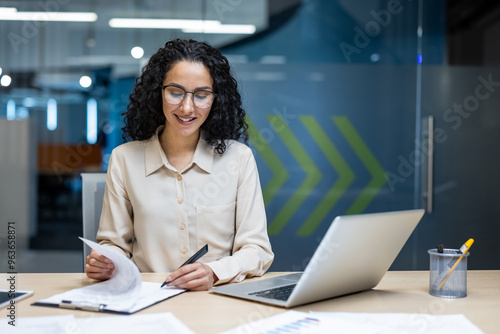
x=465, y=247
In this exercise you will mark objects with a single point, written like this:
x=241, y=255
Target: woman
x=185, y=180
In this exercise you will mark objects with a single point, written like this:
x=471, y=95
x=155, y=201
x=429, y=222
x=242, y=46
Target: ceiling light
x=5, y=80
x=92, y=121
x=223, y=29
x=160, y=23
x=8, y=10
x=51, y=114
x=137, y=52
x=29, y=102
x=375, y=57
x=48, y=16
x=187, y=26
x=22, y=113
x=11, y=110
x=85, y=81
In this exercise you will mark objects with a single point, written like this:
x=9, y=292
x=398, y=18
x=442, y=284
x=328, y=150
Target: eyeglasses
x=174, y=95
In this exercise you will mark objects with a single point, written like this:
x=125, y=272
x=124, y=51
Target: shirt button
x=179, y=201
x=184, y=250
x=179, y=177
x=182, y=226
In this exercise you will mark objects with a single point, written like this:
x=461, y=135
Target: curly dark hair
x=144, y=114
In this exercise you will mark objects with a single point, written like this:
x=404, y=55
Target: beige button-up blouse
x=159, y=217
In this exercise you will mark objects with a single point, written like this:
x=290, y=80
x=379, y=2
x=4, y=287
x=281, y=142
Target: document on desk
x=123, y=293
x=165, y=322
x=367, y=323
x=402, y=322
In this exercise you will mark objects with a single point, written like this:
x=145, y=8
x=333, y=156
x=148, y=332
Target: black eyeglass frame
x=185, y=93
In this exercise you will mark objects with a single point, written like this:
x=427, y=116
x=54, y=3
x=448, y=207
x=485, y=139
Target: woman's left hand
x=195, y=276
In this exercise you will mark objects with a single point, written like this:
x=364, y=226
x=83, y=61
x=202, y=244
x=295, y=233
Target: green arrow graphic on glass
x=346, y=176
x=368, y=160
x=313, y=175
x=280, y=174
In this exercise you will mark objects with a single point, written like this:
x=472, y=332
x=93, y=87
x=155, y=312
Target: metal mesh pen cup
x=448, y=273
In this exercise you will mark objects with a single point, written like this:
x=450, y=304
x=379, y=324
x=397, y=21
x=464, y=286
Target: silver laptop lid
x=354, y=254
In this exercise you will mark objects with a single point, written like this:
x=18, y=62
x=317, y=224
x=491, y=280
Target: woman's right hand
x=98, y=266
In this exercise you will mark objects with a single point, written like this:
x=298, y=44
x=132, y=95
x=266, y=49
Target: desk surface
x=399, y=291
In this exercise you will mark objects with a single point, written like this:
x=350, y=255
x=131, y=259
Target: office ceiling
x=54, y=55
x=48, y=58
x=55, y=46
x=28, y=45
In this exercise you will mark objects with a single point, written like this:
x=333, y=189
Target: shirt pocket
x=215, y=226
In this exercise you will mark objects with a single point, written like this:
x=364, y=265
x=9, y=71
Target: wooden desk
x=206, y=312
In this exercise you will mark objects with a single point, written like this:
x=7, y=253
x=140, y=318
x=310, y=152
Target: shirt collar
x=204, y=155
x=155, y=157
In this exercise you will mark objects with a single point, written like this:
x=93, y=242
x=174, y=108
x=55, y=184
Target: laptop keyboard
x=279, y=293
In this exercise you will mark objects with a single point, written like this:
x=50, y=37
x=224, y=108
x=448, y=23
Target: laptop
x=353, y=256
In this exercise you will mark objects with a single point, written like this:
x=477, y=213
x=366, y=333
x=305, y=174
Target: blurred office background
x=354, y=106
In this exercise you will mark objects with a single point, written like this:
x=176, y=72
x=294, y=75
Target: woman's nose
x=188, y=102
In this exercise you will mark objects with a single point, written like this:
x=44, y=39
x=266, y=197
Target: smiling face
x=185, y=119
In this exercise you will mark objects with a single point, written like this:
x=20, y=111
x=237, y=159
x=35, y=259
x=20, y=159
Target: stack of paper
x=294, y=322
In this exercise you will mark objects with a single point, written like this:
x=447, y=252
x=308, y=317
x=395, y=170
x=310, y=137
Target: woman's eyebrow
x=196, y=89
x=174, y=84
x=204, y=88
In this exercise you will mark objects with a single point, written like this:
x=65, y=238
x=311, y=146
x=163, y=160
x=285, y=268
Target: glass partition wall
x=334, y=102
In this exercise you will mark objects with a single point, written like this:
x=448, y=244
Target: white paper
x=123, y=292
x=123, y=286
x=287, y=322
x=140, y=323
x=151, y=293
x=38, y=325
x=295, y=322
x=144, y=323
x=407, y=323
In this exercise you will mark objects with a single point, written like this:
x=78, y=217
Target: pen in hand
x=192, y=259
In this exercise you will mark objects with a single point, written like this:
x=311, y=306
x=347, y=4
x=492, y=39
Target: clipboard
x=123, y=293
x=151, y=294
